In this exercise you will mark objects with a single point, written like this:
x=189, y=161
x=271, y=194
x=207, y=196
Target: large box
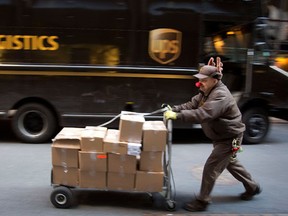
x=112, y=143
x=151, y=161
x=93, y=161
x=130, y=127
x=122, y=163
x=92, y=139
x=120, y=181
x=92, y=179
x=149, y=181
x=69, y=136
x=65, y=147
x=65, y=176
x=154, y=136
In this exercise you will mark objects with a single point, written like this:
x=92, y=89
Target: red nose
x=198, y=84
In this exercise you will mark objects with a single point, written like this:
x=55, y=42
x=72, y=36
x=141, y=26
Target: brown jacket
x=217, y=113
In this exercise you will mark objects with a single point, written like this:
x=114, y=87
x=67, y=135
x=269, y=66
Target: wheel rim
x=257, y=126
x=61, y=199
x=33, y=123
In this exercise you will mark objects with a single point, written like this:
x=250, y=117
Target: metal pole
x=249, y=71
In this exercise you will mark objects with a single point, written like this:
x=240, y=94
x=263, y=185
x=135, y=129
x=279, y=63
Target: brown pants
x=219, y=159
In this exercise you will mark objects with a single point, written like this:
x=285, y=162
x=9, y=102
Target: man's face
x=207, y=84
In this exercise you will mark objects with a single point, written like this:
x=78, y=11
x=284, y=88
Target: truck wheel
x=34, y=123
x=257, y=125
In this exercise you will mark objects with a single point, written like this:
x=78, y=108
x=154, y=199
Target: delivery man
x=216, y=110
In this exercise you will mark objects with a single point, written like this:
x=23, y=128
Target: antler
x=219, y=64
x=211, y=62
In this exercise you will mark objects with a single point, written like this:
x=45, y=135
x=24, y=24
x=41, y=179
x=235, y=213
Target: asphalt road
x=25, y=181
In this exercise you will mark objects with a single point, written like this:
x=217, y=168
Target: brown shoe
x=196, y=205
x=249, y=196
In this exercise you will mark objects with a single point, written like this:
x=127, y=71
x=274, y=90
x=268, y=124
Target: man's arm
x=193, y=104
x=212, y=108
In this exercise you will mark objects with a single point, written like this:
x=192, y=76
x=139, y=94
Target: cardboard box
x=149, y=181
x=65, y=147
x=112, y=135
x=120, y=181
x=65, y=176
x=112, y=143
x=92, y=139
x=69, y=136
x=116, y=147
x=154, y=136
x=122, y=163
x=151, y=161
x=130, y=127
x=93, y=161
x=92, y=179
x=65, y=155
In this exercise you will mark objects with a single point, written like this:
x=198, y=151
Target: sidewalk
x=277, y=120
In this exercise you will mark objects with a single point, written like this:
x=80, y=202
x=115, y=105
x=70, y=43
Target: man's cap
x=206, y=71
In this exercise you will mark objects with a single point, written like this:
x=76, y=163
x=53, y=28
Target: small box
x=112, y=135
x=65, y=176
x=92, y=179
x=130, y=127
x=116, y=147
x=93, y=161
x=154, y=136
x=112, y=143
x=120, y=181
x=151, y=161
x=149, y=181
x=92, y=139
x=122, y=163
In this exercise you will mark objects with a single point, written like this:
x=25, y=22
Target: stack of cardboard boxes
x=129, y=159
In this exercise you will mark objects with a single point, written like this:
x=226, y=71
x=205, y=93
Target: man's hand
x=170, y=115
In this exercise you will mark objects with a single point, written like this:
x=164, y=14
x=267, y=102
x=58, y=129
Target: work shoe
x=196, y=205
x=249, y=196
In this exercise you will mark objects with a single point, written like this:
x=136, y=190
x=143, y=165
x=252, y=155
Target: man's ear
x=215, y=81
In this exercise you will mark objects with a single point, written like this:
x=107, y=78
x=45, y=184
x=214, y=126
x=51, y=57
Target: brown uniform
x=220, y=119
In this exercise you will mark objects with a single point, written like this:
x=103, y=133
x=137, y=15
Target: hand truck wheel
x=170, y=205
x=62, y=197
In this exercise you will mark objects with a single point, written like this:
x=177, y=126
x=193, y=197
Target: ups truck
x=82, y=62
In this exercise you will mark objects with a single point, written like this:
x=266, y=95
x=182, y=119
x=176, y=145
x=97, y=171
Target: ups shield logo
x=165, y=45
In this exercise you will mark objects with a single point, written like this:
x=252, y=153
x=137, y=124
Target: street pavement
x=25, y=181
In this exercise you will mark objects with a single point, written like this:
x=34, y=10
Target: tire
x=62, y=197
x=257, y=125
x=34, y=123
x=170, y=205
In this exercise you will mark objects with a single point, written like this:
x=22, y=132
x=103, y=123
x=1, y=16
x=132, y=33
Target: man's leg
x=241, y=174
x=214, y=166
